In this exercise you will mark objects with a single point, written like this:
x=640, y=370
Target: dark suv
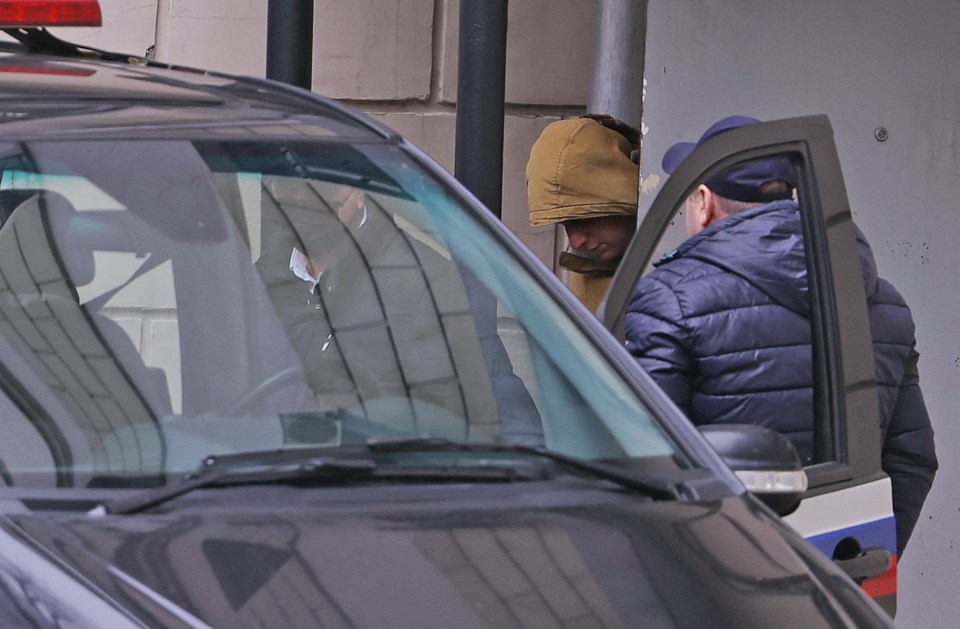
x=263, y=363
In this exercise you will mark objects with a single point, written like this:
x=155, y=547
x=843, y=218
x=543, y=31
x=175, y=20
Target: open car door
x=847, y=511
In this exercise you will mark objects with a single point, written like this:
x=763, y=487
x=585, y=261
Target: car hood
x=448, y=556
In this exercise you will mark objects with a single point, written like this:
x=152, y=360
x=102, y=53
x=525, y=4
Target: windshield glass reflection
x=162, y=301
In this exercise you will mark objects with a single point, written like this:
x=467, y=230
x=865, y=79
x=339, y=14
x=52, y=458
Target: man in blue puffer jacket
x=723, y=324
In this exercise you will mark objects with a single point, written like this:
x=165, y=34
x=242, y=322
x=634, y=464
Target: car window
x=167, y=300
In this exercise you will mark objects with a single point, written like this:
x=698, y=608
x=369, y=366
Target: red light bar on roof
x=26, y=13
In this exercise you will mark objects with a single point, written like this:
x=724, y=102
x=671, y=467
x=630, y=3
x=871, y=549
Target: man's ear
x=703, y=206
x=712, y=211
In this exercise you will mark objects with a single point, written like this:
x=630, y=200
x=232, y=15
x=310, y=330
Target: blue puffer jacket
x=723, y=325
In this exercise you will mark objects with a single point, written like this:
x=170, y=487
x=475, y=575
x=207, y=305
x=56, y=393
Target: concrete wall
x=866, y=65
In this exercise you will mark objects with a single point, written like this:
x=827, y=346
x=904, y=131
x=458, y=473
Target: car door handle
x=872, y=562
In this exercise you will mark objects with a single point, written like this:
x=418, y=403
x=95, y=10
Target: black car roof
x=45, y=95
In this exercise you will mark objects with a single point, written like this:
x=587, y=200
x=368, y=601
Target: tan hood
x=580, y=169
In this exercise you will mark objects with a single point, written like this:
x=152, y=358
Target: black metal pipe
x=290, y=42
x=481, y=71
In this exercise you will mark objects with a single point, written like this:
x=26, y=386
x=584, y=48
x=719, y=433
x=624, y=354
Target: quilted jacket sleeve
x=909, y=456
x=656, y=336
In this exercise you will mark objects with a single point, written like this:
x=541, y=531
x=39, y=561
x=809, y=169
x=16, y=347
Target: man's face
x=604, y=237
x=349, y=204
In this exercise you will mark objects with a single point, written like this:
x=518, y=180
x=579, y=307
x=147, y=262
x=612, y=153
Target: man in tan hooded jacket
x=581, y=175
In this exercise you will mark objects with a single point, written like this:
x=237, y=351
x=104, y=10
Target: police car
x=264, y=363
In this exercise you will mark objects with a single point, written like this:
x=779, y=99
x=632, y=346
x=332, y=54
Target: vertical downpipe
x=160, y=37
x=617, y=85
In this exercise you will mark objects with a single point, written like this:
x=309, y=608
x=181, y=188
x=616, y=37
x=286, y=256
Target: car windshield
x=165, y=300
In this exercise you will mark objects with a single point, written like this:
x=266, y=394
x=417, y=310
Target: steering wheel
x=277, y=381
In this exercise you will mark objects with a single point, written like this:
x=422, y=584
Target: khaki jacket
x=588, y=279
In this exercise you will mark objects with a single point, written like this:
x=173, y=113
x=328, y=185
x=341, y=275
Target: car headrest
x=46, y=216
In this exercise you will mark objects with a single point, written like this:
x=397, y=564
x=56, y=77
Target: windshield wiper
x=300, y=465
x=650, y=485
x=272, y=466
x=311, y=467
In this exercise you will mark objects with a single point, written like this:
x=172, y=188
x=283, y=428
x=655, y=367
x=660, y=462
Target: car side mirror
x=764, y=460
